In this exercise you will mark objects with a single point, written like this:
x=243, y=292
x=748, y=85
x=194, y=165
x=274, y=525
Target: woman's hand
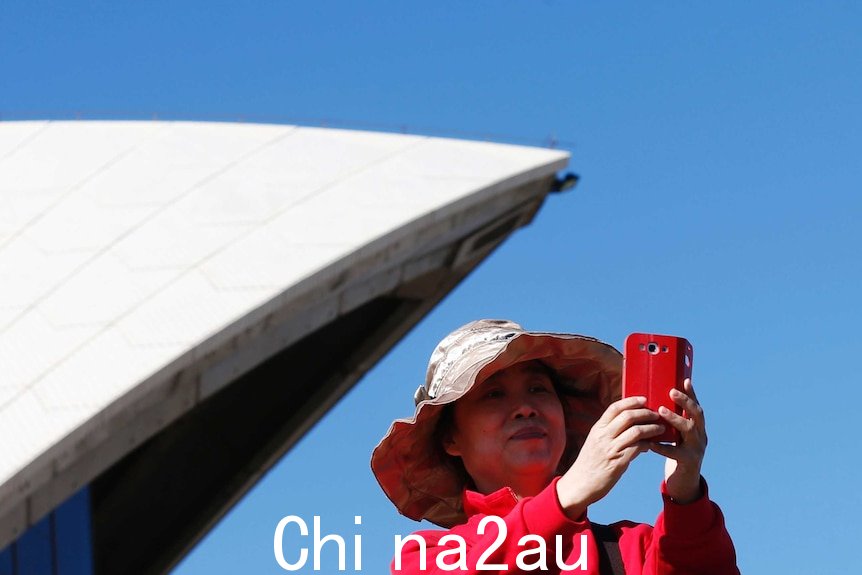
x=621, y=433
x=684, y=460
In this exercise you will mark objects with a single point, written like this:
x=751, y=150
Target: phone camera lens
x=652, y=347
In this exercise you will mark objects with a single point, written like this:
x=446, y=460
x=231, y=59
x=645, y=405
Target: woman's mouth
x=532, y=432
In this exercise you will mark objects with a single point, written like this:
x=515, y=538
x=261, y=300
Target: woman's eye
x=539, y=389
x=494, y=393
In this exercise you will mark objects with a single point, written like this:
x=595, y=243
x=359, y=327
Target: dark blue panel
x=72, y=535
x=6, y=561
x=34, y=550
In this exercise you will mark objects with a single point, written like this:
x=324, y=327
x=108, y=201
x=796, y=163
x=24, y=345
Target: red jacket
x=687, y=539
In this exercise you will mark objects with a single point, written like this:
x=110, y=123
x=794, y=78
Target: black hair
x=442, y=433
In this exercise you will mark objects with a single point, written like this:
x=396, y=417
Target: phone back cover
x=653, y=375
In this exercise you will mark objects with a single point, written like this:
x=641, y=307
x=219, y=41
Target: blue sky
x=718, y=145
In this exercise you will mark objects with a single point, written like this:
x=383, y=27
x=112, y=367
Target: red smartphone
x=653, y=365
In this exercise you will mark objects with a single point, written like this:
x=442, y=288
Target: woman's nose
x=524, y=409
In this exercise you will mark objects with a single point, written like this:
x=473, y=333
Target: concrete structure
x=166, y=289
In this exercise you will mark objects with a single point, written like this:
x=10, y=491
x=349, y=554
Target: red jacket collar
x=498, y=503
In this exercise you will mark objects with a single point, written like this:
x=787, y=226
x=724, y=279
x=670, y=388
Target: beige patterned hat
x=409, y=462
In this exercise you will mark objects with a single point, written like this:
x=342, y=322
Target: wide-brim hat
x=409, y=462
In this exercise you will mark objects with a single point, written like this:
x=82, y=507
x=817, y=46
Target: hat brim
x=414, y=472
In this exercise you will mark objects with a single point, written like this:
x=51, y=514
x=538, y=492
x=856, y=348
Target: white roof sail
x=133, y=254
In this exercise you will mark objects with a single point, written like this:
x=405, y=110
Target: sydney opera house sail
x=164, y=287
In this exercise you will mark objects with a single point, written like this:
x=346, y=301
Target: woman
x=528, y=428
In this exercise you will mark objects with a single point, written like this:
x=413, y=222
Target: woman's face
x=509, y=430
